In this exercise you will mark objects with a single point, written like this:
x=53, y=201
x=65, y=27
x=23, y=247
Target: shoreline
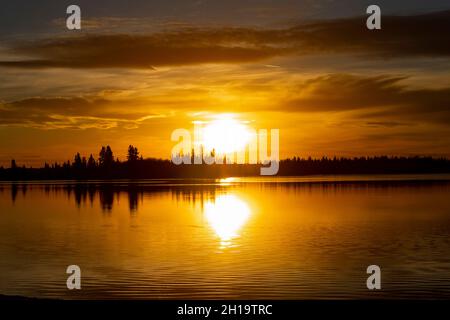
x=315, y=178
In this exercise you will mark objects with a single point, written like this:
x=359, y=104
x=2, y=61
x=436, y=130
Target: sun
x=227, y=215
x=225, y=135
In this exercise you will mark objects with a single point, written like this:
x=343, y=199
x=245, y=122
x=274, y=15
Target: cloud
x=377, y=99
x=343, y=92
x=387, y=124
x=138, y=51
x=72, y=113
x=382, y=101
x=401, y=36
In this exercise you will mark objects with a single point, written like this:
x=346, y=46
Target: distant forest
x=136, y=167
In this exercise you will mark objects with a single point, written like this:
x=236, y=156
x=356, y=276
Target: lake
x=236, y=238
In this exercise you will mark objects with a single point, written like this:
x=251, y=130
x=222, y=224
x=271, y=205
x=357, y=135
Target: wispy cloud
x=73, y=113
x=378, y=99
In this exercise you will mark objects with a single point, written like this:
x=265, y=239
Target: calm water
x=292, y=238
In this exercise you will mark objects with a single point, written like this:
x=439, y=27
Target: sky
x=137, y=70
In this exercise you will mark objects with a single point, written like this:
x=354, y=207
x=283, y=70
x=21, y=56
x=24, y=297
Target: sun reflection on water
x=227, y=215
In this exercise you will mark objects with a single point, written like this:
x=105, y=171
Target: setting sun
x=225, y=135
x=227, y=215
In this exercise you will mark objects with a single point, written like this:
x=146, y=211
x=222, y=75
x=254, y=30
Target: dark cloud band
x=401, y=36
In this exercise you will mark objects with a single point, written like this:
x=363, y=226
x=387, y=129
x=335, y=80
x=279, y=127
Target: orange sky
x=331, y=86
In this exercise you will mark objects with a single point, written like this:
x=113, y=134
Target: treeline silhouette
x=106, y=194
x=136, y=167
x=195, y=191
